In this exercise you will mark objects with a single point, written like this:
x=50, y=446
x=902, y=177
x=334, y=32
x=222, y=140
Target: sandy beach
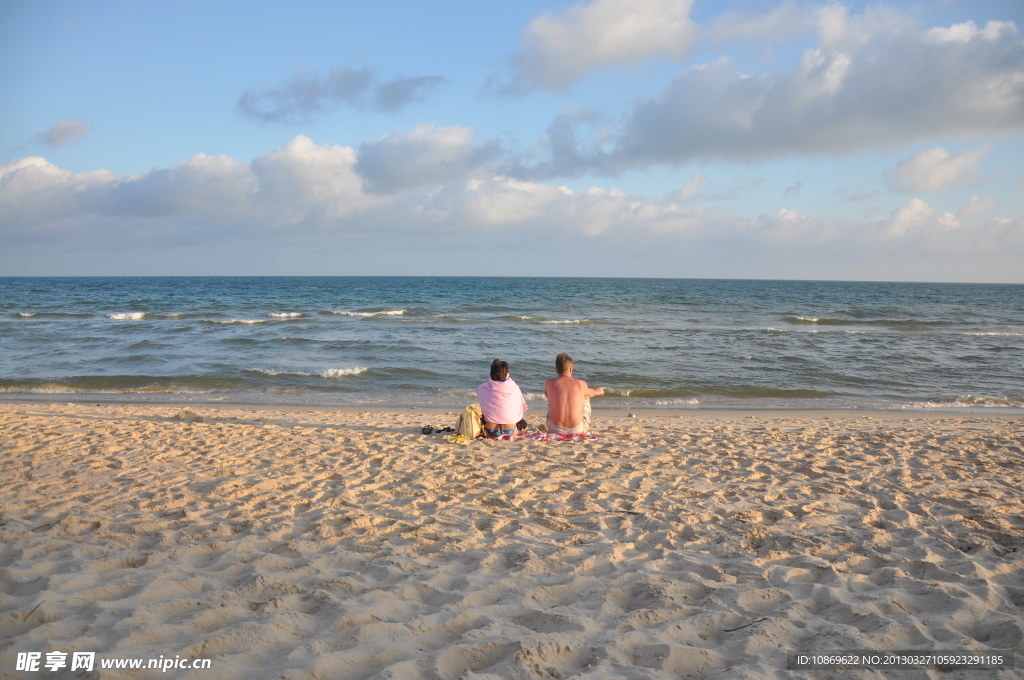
x=340, y=543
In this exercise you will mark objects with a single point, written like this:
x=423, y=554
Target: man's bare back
x=566, y=398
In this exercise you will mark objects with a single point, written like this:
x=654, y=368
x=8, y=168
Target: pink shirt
x=502, y=402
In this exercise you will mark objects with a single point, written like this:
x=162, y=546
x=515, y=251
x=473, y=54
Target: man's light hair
x=563, y=363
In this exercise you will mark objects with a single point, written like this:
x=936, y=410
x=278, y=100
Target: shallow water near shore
x=654, y=343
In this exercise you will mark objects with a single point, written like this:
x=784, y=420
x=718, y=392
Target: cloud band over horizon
x=303, y=188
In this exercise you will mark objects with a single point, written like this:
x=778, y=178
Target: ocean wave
x=127, y=316
x=201, y=316
x=149, y=344
x=274, y=372
x=1015, y=335
x=286, y=315
x=387, y=312
x=52, y=388
x=53, y=315
x=327, y=373
x=343, y=372
x=465, y=394
x=887, y=323
x=647, y=393
x=969, y=401
x=63, y=388
x=236, y=321
x=772, y=329
x=566, y=322
x=448, y=318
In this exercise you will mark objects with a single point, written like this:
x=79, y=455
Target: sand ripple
x=304, y=545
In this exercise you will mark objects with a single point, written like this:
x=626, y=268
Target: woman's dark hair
x=499, y=370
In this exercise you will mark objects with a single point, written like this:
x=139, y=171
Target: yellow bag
x=471, y=422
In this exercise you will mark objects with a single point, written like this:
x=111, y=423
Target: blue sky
x=744, y=139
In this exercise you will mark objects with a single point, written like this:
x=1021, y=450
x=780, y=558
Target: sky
x=748, y=139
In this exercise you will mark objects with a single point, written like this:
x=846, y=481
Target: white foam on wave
x=969, y=401
x=343, y=372
x=327, y=373
x=678, y=402
x=46, y=389
x=238, y=321
x=469, y=394
x=274, y=371
x=27, y=315
x=1016, y=335
x=285, y=315
x=68, y=389
x=127, y=316
x=388, y=312
x=567, y=321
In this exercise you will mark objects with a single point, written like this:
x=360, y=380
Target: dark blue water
x=411, y=340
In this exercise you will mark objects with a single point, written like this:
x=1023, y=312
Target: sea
x=429, y=341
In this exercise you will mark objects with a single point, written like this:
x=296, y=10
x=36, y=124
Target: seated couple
x=568, y=398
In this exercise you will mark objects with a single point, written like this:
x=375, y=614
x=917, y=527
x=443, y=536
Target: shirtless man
x=568, y=399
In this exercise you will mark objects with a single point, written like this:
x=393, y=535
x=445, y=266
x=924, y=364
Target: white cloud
x=937, y=170
x=427, y=155
x=691, y=188
x=915, y=219
x=785, y=21
x=839, y=30
x=301, y=183
x=304, y=183
x=63, y=133
x=965, y=32
x=306, y=188
x=560, y=49
x=788, y=227
x=976, y=207
x=34, y=192
x=494, y=203
x=217, y=188
x=873, y=81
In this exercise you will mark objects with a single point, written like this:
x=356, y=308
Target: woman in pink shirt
x=501, y=401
